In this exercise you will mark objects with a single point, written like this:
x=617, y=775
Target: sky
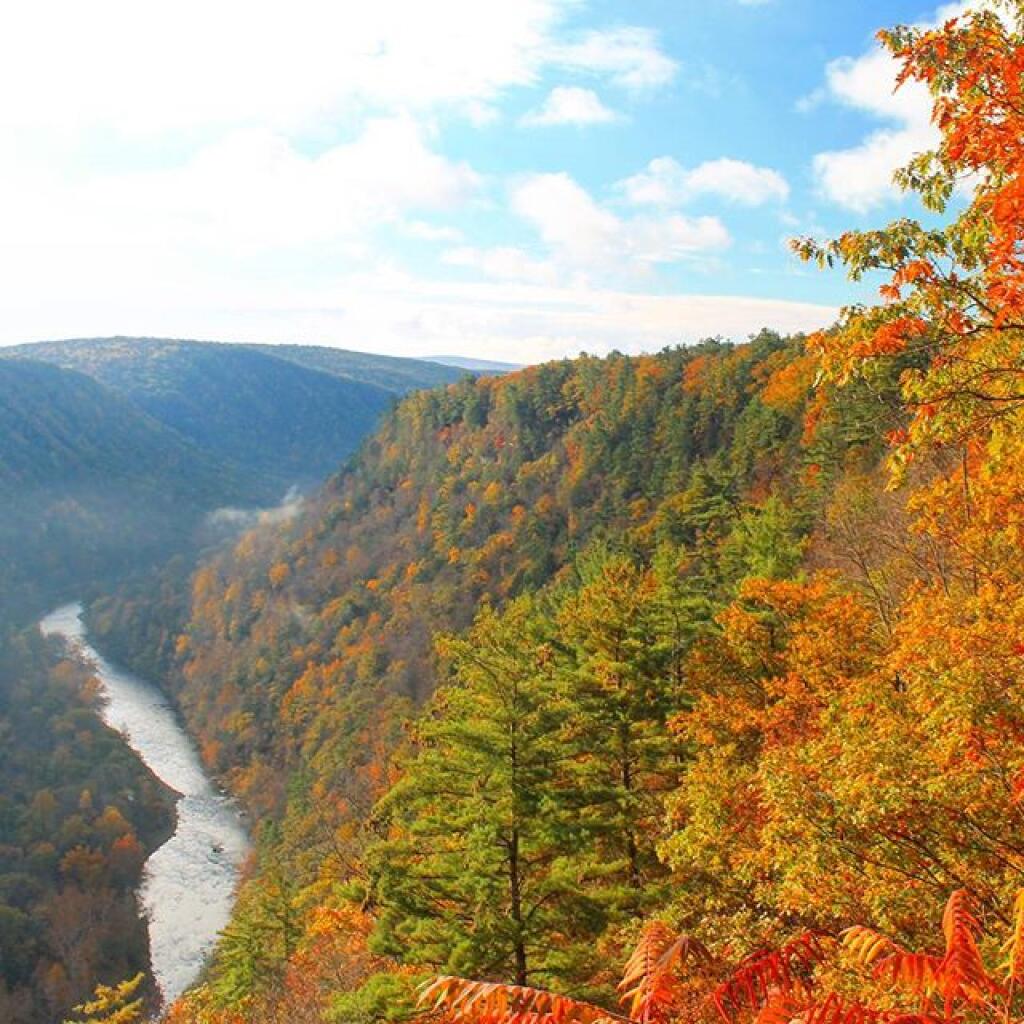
x=504, y=179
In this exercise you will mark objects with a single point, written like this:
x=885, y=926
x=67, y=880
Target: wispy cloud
x=630, y=57
x=582, y=233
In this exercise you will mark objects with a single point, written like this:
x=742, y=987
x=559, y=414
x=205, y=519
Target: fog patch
x=230, y=519
x=301, y=614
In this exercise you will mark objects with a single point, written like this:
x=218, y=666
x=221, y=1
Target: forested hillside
x=389, y=372
x=618, y=504
x=281, y=423
x=487, y=488
x=90, y=486
x=78, y=816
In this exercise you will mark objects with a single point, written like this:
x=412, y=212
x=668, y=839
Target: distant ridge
x=277, y=417
x=475, y=365
x=395, y=373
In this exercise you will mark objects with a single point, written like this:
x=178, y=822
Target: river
x=188, y=885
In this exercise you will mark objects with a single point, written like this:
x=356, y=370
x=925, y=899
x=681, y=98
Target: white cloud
x=672, y=239
x=738, y=181
x=665, y=182
x=431, y=232
x=860, y=177
x=581, y=233
x=504, y=263
x=250, y=189
x=630, y=56
x=391, y=311
x=527, y=323
x=567, y=218
x=570, y=104
x=139, y=69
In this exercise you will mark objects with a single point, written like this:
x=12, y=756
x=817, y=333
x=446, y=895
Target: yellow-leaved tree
x=112, y=1004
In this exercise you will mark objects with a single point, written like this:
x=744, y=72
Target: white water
x=188, y=885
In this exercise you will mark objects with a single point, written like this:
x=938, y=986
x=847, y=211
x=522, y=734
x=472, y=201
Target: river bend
x=188, y=884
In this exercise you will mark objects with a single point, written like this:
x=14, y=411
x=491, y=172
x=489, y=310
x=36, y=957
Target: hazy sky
x=512, y=179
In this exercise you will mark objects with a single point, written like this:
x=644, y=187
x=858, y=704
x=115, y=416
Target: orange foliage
x=672, y=978
x=787, y=388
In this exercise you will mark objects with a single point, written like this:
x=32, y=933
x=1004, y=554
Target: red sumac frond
x=770, y=974
x=486, y=1002
x=650, y=982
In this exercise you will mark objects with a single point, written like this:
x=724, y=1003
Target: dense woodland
x=79, y=814
x=484, y=490
x=549, y=547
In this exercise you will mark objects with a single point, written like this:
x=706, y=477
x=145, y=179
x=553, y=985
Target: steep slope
x=485, y=489
x=396, y=374
x=288, y=423
x=90, y=485
x=308, y=648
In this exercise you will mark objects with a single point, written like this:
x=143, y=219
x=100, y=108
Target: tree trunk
x=626, y=778
x=516, y=901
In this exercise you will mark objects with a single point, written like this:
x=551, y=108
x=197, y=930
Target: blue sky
x=512, y=180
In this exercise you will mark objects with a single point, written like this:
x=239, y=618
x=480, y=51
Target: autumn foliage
x=673, y=977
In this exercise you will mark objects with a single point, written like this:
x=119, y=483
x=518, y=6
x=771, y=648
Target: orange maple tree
x=953, y=303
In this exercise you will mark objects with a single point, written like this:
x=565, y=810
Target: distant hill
x=90, y=485
x=114, y=450
x=475, y=365
x=394, y=373
x=61, y=427
x=287, y=422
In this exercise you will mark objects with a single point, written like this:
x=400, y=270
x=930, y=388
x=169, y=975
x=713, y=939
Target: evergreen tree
x=619, y=686
x=256, y=945
x=474, y=875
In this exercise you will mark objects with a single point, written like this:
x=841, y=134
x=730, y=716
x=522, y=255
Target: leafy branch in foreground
x=669, y=977
x=674, y=978
x=952, y=316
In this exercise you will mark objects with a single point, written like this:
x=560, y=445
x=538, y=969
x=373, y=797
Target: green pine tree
x=619, y=685
x=474, y=876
